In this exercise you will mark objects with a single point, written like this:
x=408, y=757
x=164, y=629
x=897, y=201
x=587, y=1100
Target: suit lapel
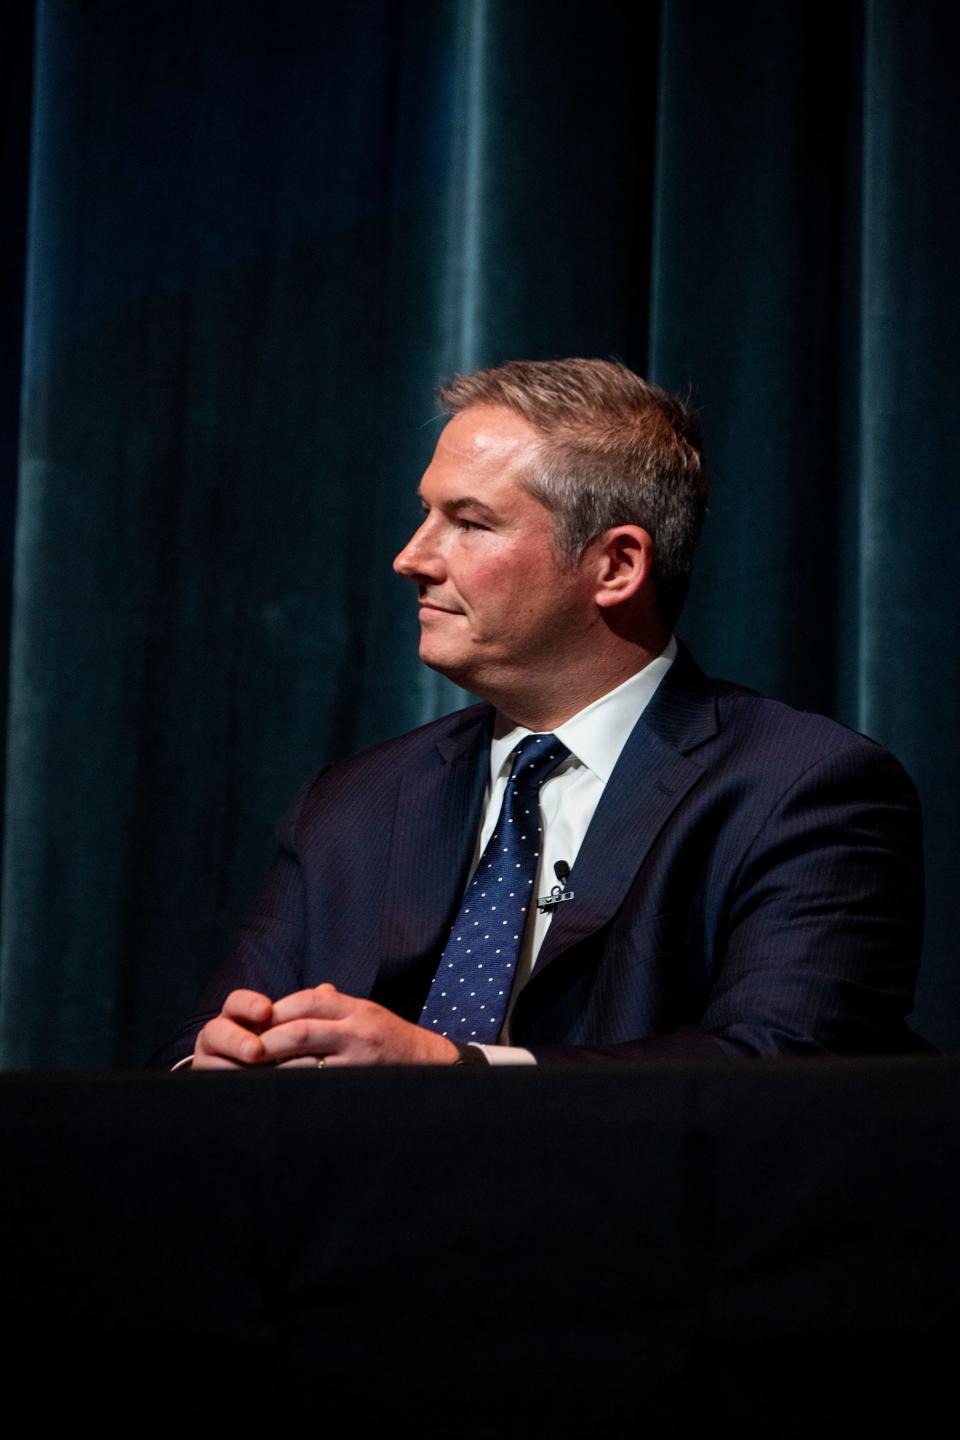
x=436, y=824
x=438, y=814
x=650, y=779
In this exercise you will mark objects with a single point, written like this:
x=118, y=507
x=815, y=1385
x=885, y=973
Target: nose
x=419, y=557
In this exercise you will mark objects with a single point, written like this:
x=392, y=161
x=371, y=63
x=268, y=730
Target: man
x=613, y=858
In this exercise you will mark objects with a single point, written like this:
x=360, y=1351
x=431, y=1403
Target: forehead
x=485, y=441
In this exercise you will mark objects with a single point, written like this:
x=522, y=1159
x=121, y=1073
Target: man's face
x=495, y=605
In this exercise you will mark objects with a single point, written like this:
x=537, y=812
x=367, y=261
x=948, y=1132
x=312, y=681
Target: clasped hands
x=253, y=1031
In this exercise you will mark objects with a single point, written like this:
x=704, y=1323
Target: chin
x=453, y=667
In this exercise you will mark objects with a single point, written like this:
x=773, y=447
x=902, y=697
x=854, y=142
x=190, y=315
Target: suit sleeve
x=269, y=951
x=818, y=938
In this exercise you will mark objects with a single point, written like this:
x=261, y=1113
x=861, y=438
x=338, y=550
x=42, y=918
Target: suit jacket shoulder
x=358, y=789
x=752, y=875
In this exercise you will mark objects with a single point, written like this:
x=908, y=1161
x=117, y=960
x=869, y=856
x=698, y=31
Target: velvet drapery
x=245, y=241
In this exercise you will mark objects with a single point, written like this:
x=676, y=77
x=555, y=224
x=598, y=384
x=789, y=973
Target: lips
x=431, y=605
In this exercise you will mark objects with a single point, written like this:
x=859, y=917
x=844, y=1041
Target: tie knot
x=536, y=757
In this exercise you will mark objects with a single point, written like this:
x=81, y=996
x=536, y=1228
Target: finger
x=202, y=1061
x=248, y=1006
x=323, y=1002
x=302, y=1037
x=301, y=1062
x=226, y=1039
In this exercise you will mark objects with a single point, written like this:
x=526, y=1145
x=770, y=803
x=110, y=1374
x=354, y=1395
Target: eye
x=469, y=524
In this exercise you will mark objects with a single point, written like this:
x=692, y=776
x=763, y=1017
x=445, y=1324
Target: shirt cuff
x=506, y=1054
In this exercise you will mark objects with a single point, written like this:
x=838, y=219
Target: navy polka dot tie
x=469, y=993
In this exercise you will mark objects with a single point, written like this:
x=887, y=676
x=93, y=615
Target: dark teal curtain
x=247, y=240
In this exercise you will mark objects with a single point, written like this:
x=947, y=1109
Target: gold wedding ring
x=321, y=1061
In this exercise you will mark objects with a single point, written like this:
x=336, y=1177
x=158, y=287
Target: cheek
x=484, y=580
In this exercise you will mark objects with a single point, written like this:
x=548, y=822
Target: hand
x=346, y=1031
x=232, y=1041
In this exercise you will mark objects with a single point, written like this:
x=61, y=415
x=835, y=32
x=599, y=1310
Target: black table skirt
x=758, y=1248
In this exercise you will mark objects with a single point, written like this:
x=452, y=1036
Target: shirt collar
x=596, y=735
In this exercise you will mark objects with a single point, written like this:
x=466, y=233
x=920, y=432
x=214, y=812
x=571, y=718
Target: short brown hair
x=616, y=451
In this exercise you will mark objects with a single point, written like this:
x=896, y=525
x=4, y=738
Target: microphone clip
x=556, y=897
x=558, y=894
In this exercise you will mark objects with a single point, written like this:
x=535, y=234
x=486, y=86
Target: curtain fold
x=259, y=235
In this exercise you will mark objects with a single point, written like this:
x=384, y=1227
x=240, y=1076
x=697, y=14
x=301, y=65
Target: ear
x=624, y=564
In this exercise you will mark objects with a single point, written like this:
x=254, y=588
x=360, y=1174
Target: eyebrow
x=464, y=502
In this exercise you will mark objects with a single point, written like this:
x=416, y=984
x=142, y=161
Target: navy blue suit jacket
x=751, y=883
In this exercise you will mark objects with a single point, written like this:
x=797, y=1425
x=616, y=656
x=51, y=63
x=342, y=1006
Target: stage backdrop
x=245, y=240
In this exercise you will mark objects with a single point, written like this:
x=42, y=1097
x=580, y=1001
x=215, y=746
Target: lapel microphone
x=558, y=893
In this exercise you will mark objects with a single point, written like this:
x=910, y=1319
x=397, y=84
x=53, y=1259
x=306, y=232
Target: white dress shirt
x=595, y=737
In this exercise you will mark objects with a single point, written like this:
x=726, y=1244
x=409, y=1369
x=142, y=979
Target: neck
x=562, y=695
